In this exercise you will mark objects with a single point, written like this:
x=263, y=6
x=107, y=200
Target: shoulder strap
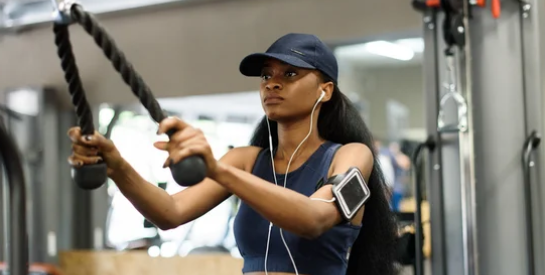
x=330, y=153
x=259, y=160
x=328, y=157
x=326, y=162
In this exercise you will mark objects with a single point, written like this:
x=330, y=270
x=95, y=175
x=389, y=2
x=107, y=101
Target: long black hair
x=339, y=121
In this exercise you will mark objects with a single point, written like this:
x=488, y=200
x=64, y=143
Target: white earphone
x=322, y=95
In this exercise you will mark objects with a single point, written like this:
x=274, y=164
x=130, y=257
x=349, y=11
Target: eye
x=265, y=77
x=291, y=74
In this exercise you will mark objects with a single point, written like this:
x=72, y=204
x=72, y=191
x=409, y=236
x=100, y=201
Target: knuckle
x=74, y=131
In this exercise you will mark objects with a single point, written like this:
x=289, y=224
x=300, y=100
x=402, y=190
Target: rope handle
x=187, y=172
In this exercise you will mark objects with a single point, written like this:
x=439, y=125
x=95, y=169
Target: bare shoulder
x=355, y=149
x=242, y=157
x=353, y=155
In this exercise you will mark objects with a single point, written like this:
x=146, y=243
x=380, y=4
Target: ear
x=328, y=88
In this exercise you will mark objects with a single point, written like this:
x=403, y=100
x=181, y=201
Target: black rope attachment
x=187, y=172
x=89, y=176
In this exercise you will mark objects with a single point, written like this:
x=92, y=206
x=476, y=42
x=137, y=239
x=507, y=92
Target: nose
x=273, y=84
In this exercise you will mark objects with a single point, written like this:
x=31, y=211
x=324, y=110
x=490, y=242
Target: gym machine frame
x=530, y=45
x=457, y=89
x=187, y=172
x=456, y=15
x=18, y=243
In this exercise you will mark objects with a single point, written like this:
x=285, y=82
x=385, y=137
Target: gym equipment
x=187, y=172
x=10, y=158
x=429, y=144
x=406, y=249
x=454, y=32
x=531, y=143
x=458, y=89
x=490, y=107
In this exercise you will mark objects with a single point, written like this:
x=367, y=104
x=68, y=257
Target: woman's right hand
x=91, y=149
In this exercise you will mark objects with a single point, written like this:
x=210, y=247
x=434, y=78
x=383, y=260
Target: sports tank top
x=325, y=255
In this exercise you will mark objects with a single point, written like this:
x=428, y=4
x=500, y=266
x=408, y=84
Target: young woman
x=287, y=222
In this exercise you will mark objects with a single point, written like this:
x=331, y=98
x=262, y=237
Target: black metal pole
x=18, y=248
x=531, y=143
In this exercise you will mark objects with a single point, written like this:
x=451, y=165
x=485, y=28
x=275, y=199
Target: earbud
x=321, y=96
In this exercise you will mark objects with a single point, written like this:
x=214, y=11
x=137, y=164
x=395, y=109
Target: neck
x=291, y=134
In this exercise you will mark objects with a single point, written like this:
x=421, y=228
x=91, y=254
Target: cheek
x=304, y=97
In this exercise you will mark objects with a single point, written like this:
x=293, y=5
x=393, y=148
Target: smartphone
x=351, y=192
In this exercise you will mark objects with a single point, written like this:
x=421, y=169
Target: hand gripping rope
x=187, y=172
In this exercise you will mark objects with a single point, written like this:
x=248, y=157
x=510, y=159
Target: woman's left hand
x=186, y=141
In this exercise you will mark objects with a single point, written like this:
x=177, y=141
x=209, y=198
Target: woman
x=285, y=225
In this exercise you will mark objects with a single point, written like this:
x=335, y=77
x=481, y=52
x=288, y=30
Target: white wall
x=378, y=85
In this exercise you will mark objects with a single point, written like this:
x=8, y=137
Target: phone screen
x=353, y=193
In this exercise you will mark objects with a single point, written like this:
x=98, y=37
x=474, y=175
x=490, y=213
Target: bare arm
x=290, y=210
x=170, y=211
x=286, y=208
x=154, y=203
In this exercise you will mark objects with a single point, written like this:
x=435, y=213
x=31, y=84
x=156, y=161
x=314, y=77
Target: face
x=289, y=93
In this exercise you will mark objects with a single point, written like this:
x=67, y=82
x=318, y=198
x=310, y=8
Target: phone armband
x=350, y=192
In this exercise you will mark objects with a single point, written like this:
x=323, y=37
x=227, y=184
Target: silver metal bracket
x=461, y=103
x=62, y=14
x=525, y=7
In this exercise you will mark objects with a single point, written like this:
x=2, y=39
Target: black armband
x=350, y=192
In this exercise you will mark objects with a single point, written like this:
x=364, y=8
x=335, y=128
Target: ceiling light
x=403, y=49
x=415, y=44
x=391, y=50
x=24, y=101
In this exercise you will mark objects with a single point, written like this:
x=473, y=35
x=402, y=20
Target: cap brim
x=252, y=64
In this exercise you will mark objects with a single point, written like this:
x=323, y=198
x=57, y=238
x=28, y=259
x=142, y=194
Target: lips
x=272, y=98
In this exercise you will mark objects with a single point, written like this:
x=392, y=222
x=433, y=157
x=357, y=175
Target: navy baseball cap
x=297, y=49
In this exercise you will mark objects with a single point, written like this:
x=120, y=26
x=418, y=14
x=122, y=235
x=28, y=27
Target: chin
x=275, y=116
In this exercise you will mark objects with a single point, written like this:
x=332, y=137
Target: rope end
x=62, y=13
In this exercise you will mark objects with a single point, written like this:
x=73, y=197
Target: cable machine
x=17, y=223
x=483, y=109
